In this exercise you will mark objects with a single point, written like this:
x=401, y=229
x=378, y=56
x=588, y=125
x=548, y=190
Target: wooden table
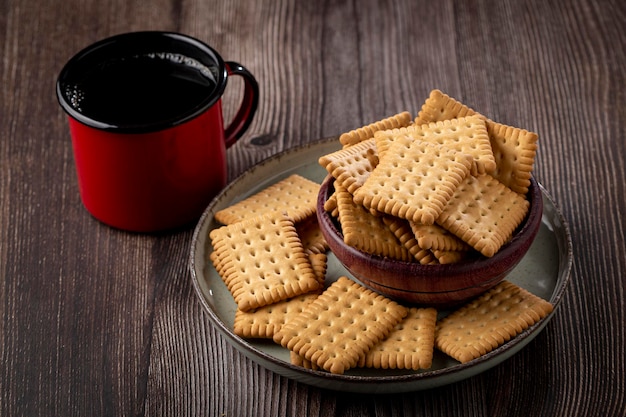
x=96, y=321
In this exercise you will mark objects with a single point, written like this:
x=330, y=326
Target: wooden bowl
x=431, y=285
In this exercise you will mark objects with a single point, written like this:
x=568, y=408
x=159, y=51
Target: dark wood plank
x=95, y=321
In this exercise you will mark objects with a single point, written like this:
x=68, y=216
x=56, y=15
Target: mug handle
x=249, y=104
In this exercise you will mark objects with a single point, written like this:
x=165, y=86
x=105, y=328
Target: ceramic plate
x=544, y=271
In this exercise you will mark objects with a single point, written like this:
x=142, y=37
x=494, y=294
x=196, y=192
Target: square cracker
x=351, y=166
x=514, y=149
x=408, y=346
x=367, y=132
x=484, y=213
x=413, y=180
x=343, y=323
x=263, y=261
x=489, y=321
x=466, y=135
x=266, y=321
x=440, y=106
x=294, y=195
x=366, y=232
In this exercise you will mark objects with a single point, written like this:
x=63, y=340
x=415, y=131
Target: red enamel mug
x=145, y=118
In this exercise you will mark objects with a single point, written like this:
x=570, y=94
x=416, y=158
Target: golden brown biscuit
x=408, y=346
x=466, y=135
x=367, y=132
x=489, y=321
x=294, y=195
x=414, y=180
x=483, y=213
x=440, y=106
x=514, y=149
x=298, y=360
x=366, y=232
x=351, y=166
x=266, y=321
x=343, y=323
x=263, y=261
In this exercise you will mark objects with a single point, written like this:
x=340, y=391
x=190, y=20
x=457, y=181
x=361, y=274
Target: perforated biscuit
x=414, y=180
x=263, y=261
x=489, y=321
x=367, y=132
x=351, y=166
x=483, y=213
x=514, y=150
x=367, y=232
x=343, y=323
x=294, y=195
x=383, y=139
x=466, y=135
x=265, y=322
x=408, y=346
x=440, y=106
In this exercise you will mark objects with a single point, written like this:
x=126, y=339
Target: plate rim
x=371, y=384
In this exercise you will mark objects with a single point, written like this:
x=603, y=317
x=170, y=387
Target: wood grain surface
x=100, y=322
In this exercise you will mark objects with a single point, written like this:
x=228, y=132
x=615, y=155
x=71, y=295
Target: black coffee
x=142, y=90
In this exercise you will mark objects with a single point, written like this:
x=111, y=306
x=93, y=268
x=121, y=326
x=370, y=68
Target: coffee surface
x=142, y=90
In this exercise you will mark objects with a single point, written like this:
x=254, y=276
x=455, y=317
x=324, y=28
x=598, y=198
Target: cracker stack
x=452, y=173
x=434, y=190
x=273, y=262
